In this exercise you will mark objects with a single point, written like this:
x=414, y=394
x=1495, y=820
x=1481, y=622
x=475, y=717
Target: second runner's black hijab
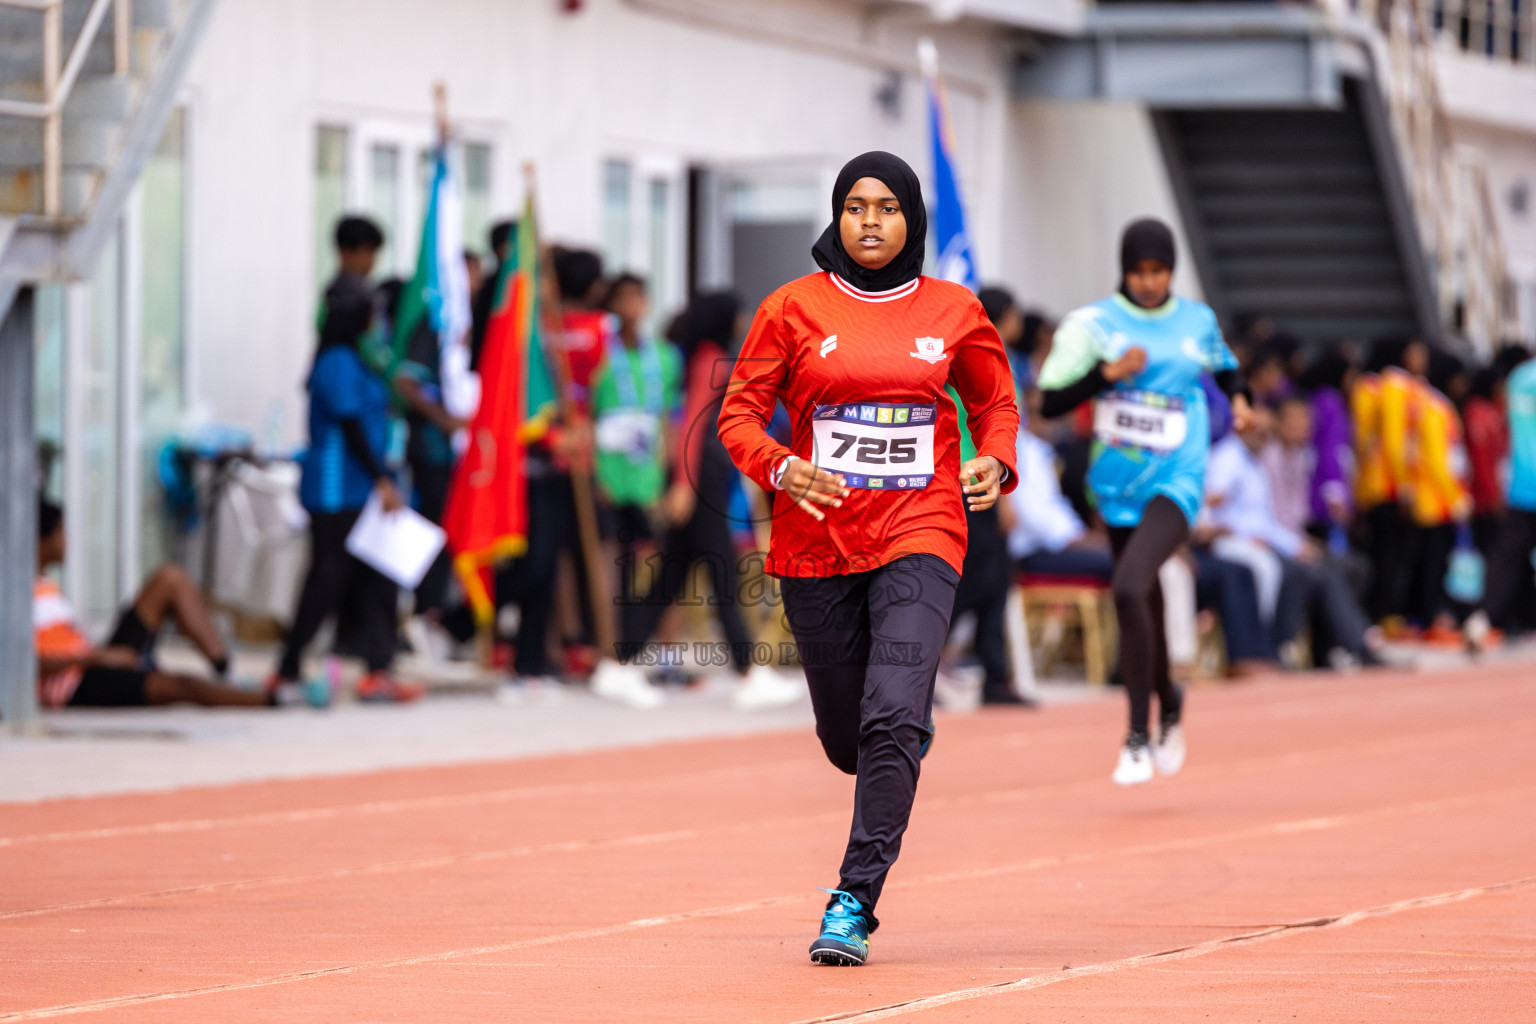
x=908, y=264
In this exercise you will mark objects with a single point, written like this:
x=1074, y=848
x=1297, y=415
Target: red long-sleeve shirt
x=1487, y=447
x=817, y=341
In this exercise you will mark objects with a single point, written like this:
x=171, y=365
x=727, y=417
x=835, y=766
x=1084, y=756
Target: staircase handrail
x=1448, y=183
x=59, y=83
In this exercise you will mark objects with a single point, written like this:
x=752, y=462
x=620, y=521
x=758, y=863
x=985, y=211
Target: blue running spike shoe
x=844, y=939
x=922, y=751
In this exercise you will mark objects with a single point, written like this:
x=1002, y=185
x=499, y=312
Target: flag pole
x=485, y=632
x=581, y=473
x=440, y=110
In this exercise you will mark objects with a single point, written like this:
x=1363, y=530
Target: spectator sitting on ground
x=72, y=672
x=1293, y=582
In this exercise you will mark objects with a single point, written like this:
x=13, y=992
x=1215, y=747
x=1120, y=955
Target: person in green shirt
x=636, y=395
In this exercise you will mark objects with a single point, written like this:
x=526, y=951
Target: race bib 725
x=876, y=445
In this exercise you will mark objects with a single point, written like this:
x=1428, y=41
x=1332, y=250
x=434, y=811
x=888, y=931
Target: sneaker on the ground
x=993, y=696
x=1135, y=765
x=288, y=693
x=955, y=692
x=1342, y=661
x=844, y=938
x=1480, y=634
x=383, y=688
x=1168, y=755
x=763, y=688
x=626, y=684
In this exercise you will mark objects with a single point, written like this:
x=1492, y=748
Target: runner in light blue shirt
x=1140, y=353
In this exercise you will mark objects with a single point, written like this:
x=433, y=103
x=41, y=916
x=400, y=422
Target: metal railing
x=59, y=80
x=1448, y=183
x=1504, y=29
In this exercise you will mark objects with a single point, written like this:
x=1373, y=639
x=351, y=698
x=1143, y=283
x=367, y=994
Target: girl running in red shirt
x=869, y=521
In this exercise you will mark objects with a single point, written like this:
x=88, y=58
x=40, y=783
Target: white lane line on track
x=676, y=835
x=1041, y=863
x=512, y=794
x=98, y=1005
x=597, y=845
x=1169, y=955
x=405, y=805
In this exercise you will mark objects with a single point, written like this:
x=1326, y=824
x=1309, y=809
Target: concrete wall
x=1077, y=173
x=728, y=84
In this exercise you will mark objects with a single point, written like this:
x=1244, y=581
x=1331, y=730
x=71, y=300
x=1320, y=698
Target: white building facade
x=692, y=141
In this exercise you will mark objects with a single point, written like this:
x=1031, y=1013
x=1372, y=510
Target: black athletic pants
x=431, y=484
x=870, y=644
x=1429, y=554
x=338, y=584
x=1388, y=546
x=706, y=536
x=1509, y=565
x=1140, y=552
x=983, y=589
x=529, y=581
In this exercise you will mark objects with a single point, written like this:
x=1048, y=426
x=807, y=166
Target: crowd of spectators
x=1371, y=477
x=1346, y=516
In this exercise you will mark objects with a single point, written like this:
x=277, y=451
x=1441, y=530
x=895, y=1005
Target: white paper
x=401, y=545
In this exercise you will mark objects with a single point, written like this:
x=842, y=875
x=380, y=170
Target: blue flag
x=956, y=260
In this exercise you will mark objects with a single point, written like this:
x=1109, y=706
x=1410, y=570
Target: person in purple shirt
x=1325, y=383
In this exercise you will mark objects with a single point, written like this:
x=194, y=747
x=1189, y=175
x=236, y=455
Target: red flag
x=486, y=517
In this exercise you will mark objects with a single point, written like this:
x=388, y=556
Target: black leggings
x=1509, y=566
x=338, y=584
x=870, y=644
x=1140, y=552
x=707, y=537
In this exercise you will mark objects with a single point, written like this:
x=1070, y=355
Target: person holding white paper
x=348, y=436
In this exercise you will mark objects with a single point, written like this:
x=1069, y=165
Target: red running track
x=1358, y=849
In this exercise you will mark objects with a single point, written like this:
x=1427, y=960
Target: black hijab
x=1145, y=239
x=828, y=252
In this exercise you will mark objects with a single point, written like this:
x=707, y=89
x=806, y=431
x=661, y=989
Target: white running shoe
x=1135, y=766
x=626, y=684
x=1168, y=755
x=1476, y=630
x=762, y=688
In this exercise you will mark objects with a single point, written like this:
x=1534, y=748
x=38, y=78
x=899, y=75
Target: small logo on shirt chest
x=930, y=350
x=828, y=346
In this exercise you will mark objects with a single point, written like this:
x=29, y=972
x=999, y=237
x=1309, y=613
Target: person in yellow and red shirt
x=1438, y=499
x=869, y=528
x=1384, y=404
x=1375, y=497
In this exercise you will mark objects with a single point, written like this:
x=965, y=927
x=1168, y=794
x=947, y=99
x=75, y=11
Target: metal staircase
x=86, y=87
x=1309, y=153
x=1290, y=220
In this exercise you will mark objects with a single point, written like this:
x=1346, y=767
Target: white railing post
x=53, y=136
x=122, y=29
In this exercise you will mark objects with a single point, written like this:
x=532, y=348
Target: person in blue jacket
x=1141, y=353
x=349, y=426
